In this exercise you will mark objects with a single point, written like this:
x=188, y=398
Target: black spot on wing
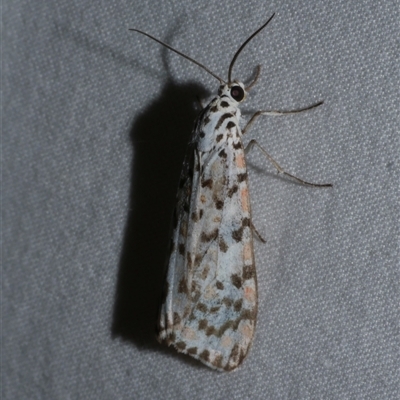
x=202, y=307
x=180, y=345
x=207, y=183
x=236, y=280
x=213, y=109
x=237, y=145
x=238, y=234
x=242, y=177
x=235, y=351
x=219, y=204
x=206, y=120
x=237, y=305
x=222, y=245
x=211, y=330
x=197, y=260
x=246, y=222
x=207, y=237
x=227, y=301
x=205, y=355
x=192, y=350
x=217, y=362
x=232, y=190
x=202, y=324
x=222, y=153
x=195, y=216
x=249, y=271
x=249, y=314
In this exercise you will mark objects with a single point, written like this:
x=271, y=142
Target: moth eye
x=237, y=93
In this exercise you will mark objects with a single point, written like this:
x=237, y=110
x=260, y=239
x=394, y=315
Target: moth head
x=234, y=90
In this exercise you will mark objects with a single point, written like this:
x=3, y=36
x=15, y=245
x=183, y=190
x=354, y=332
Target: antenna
x=242, y=47
x=181, y=54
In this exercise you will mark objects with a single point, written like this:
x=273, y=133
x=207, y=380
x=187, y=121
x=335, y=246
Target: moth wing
x=174, y=296
x=211, y=306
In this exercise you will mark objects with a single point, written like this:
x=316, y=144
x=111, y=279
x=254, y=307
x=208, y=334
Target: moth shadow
x=159, y=138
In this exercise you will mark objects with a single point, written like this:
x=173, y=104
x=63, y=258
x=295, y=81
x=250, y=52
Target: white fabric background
x=95, y=123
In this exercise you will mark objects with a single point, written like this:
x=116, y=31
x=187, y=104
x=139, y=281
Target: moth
x=209, y=309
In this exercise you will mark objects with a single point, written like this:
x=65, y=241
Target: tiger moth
x=209, y=309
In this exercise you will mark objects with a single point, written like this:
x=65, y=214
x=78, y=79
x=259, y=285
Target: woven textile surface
x=95, y=122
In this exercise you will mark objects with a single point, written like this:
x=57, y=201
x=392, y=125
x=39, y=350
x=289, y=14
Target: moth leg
x=276, y=113
x=258, y=70
x=253, y=228
x=280, y=169
x=200, y=103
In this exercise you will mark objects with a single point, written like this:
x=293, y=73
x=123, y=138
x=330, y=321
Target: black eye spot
x=237, y=93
